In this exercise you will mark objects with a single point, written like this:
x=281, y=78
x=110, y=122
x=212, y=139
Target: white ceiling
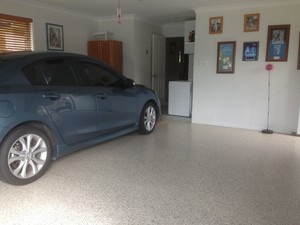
x=157, y=11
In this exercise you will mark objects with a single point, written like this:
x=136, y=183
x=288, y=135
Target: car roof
x=19, y=59
x=8, y=56
x=11, y=62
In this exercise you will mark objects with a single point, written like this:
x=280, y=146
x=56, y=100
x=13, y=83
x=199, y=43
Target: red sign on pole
x=269, y=67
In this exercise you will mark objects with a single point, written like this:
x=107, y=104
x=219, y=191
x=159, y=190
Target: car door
x=71, y=106
x=116, y=103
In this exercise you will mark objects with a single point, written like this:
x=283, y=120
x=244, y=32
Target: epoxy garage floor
x=181, y=174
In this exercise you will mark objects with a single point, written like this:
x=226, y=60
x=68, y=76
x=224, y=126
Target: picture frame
x=278, y=43
x=55, y=37
x=216, y=25
x=226, y=57
x=250, y=51
x=251, y=22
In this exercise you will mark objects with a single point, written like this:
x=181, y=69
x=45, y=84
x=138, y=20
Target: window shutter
x=15, y=33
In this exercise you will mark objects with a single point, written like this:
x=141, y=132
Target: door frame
x=158, y=72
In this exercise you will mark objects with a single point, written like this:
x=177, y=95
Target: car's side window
x=98, y=76
x=34, y=75
x=58, y=72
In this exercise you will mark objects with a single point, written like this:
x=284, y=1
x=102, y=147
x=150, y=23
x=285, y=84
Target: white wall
x=143, y=43
x=77, y=29
x=240, y=99
x=124, y=32
x=135, y=35
x=173, y=29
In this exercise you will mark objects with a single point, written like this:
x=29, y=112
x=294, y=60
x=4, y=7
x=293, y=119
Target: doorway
x=158, y=77
x=177, y=64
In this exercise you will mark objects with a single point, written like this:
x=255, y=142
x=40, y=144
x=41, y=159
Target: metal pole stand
x=268, y=131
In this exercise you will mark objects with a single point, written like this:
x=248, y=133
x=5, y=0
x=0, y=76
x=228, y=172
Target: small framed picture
x=226, y=57
x=216, y=25
x=55, y=37
x=278, y=43
x=250, y=51
x=251, y=22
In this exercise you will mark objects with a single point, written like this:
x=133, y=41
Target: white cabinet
x=189, y=37
x=180, y=98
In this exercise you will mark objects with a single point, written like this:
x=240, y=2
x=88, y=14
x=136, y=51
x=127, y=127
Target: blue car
x=52, y=104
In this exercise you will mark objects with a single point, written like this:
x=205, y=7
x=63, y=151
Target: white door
x=158, y=66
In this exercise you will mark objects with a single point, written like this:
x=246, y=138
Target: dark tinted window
x=57, y=72
x=99, y=76
x=34, y=75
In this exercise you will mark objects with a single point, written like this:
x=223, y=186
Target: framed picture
x=250, y=51
x=226, y=57
x=278, y=43
x=298, y=66
x=55, y=37
x=216, y=25
x=251, y=22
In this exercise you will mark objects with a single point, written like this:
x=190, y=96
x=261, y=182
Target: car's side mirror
x=128, y=83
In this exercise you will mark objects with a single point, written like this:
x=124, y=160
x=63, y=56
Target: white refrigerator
x=180, y=98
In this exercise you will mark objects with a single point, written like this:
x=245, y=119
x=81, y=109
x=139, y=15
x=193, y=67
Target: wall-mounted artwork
x=216, y=25
x=55, y=37
x=226, y=57
x=278, y=43
x=251, y=22
x=250, y=51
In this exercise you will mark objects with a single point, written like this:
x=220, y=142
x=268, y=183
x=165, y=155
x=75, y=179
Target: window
x=57, y=72
x=54, y=72
x=98, y=76
x=15, y=33
x=34, y=75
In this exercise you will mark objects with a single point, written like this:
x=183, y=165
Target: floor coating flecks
x=181, y=174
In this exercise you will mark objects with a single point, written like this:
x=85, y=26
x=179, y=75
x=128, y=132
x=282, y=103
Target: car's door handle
x=102, y=96
x=51, y=96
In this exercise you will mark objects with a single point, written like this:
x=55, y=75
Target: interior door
x=158, y=66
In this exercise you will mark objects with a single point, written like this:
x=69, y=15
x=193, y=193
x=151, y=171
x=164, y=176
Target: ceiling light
x=119, y=12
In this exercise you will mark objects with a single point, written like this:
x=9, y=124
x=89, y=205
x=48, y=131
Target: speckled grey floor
x=181, y=174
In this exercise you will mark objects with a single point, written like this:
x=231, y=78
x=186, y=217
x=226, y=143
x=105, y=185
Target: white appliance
x=180, y=98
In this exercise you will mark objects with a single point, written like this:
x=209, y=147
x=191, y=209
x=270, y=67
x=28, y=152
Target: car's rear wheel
x=25, y=155
x=148, y=119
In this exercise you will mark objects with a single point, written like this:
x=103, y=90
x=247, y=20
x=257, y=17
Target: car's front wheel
x=25, y=155
x=148, y=119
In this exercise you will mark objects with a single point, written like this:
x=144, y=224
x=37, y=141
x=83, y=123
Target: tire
x=148, y=119
x=25, y=155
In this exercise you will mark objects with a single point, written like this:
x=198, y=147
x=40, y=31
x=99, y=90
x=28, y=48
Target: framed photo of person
x=55, y=37
x=251, y=22
x=278, y=43
x=216, y=25
x=250, y=51
x=226, y=57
